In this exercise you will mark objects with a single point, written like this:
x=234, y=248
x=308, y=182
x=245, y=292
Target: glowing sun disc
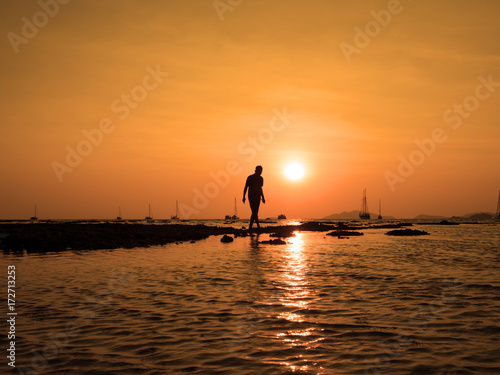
x=294, y=171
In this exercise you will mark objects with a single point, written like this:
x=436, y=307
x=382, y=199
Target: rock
x=276, y=241
x=283, y=234
x=407, y=232
x=443, y=222
x=446, y=222
x=344, y=233
x=225, y=238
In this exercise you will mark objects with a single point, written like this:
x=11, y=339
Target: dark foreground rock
x=276, y=241
x=225, y=238
x=407, y=232
x=344, y=233
x=283, y=234
x=443, y=222
x=44, y=237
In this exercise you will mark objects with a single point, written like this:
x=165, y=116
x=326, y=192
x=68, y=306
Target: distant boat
x=379, y=209
x=498, y=208
x=34, y=217
x=235, y=216
x=281, y=217
x=119, y=217
x=176, y=216
x=150, y=214
x=364, y=214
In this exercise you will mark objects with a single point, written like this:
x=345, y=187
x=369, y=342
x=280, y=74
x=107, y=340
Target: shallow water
x=318, y=305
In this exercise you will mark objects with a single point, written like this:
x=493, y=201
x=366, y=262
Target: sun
x=294, y=171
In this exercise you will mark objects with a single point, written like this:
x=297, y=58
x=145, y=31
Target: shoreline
x=55, y=237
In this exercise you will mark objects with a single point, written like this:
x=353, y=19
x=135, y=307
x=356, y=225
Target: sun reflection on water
x=297, y=296
x=294, y=276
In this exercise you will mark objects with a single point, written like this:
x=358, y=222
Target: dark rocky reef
x=276, y=241
x=283, y=233
x=407, y=232
x=443, y=222
x=344, y=233
x=44, y=237
x=40, y=237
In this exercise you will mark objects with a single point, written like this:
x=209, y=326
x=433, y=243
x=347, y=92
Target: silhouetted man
x=254, y=185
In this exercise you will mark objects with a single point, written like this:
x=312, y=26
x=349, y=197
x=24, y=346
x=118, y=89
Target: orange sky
x=355, y=114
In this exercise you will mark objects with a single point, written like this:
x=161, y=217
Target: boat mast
x=380, y=208
x=34, y=217
x=365, y=206
x=235, y=210
x=177, y=208
x=364, y=214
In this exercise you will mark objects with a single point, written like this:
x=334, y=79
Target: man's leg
x=254, y=205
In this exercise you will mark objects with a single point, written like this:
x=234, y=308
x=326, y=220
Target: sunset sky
x=185, y=90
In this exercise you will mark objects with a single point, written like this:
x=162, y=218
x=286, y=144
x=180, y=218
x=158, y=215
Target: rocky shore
x=45, y=237
x=61, y=236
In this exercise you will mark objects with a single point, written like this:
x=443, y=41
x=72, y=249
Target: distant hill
x=473, y=216
x=352, y=215
x=477, y=216
x=429, y=217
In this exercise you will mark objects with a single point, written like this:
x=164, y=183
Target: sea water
x=318, y=305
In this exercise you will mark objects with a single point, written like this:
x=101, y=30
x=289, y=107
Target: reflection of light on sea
x=295, y=283
x=294, y=276
x=295, y=368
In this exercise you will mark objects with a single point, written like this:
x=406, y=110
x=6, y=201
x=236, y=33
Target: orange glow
x=294, y=279
x=178, y=95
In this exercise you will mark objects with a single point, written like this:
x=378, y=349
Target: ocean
x=373, y=304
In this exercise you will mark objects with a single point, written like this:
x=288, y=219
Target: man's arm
x=245, y=191
x=262, y=192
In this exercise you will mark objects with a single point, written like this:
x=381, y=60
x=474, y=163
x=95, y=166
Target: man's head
x=258, y=170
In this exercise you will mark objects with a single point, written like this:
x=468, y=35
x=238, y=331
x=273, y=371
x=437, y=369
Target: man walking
x=255, y=193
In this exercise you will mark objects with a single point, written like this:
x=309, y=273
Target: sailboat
x=176, y=217
x=34, y=217
x=498, y=208
x=150, y=214
x=364, y=214
x=379, y=209
x=235, y=216
x=119, y=217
